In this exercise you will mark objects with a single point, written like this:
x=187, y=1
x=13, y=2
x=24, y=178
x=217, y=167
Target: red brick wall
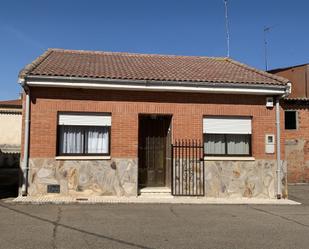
x=187, y=110
x=299, y=79
x=298, y=156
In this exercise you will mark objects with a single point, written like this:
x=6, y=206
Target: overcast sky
x=182, y=27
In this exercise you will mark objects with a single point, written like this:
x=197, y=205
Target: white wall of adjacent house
x=10, y=131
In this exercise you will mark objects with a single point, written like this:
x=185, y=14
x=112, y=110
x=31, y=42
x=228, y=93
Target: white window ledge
x=222, y=158
x=83, y=157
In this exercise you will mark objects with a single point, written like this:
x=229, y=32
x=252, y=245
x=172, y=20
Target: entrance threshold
x=155, y=192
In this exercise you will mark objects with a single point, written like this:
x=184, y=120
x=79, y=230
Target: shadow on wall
x=151, y=97
x=9, y=174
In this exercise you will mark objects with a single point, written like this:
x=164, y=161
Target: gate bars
x=188, y=176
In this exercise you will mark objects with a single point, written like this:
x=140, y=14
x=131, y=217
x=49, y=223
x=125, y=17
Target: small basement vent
x=53, y=188
x=81, y=199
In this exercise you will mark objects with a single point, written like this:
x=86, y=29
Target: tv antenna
x=266, y=30
x=227, y=28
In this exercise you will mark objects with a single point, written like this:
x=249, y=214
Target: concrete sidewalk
x=52, y=199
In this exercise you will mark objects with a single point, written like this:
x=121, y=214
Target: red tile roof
x=130, y=66
x=16, y=103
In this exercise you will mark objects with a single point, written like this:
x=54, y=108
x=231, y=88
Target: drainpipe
x=25, y=161
x=279, y=190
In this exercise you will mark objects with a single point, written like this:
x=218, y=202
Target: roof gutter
x=154, y=85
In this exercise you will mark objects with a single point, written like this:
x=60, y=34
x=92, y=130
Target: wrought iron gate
x=188, y=175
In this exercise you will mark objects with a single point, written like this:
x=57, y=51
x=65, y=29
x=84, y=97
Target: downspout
x=278, y=143
x=25, y=161
x=279, y=190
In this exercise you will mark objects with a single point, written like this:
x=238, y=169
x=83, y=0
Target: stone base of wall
x=84, y=177
x=241, y=179
x=118, y=177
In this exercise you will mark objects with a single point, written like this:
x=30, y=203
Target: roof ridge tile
x=132, y=54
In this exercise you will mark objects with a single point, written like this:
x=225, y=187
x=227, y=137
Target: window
x=290, y=120
x=84, y=134
x=227, y=136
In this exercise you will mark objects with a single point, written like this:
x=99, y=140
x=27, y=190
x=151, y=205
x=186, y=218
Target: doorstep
x=152, y=190
x=153, y=200
x=155, y=192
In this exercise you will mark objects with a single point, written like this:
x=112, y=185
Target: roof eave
x=154, y=85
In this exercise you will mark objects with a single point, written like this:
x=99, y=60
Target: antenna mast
x=266, y=29
x=227, y=28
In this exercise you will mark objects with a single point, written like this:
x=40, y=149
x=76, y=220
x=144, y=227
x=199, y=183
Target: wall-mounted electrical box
x=270, y=143
x=269, y=102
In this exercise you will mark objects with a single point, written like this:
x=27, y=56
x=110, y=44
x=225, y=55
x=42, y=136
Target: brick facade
x=297, y=144
x=297, y=141
x=97, y=177
x=187, y=110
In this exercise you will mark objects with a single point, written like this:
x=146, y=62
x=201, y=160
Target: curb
x=140, y=200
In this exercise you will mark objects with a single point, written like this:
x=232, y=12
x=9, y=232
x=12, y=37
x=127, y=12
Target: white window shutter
x=227, y=125
x=85, y=119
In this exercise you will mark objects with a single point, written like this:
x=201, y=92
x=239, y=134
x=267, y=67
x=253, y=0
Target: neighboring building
x=103, y=123
x=296, y=108
x=10, y=139
x=10, y=125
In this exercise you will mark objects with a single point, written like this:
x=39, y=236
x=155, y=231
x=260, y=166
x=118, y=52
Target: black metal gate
x=188, y=175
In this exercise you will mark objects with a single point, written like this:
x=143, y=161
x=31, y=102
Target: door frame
x=167, y=159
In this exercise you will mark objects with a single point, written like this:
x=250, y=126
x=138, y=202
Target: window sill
x=83, y=157
x=222, y=158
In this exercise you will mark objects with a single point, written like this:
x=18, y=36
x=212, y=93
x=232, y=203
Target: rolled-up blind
x=227, y=125
x=85, y=119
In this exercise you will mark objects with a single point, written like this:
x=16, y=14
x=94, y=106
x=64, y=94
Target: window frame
x=296, y=120
x=226, y=144
x=58, y=153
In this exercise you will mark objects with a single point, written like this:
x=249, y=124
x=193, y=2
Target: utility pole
x=227, y=28
x=266, y=29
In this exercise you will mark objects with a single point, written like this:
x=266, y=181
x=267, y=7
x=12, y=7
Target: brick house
x=107, y=123
x=296, y=109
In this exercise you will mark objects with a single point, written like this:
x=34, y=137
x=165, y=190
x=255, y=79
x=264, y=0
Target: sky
x=180, y=27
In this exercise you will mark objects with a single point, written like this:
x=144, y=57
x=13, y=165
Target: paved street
x=156, y=226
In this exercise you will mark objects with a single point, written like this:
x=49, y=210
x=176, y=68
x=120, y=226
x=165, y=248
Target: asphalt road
x=156, y=226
